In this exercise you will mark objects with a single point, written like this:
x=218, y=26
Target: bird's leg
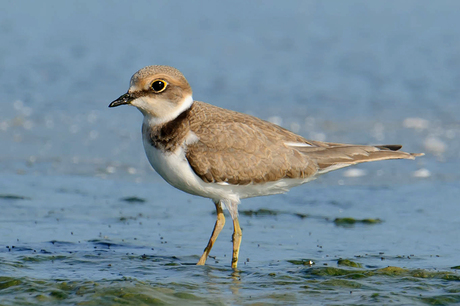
x=237, y=234
x=220, y=222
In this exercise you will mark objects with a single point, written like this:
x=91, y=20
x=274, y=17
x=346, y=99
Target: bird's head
x=161, y=93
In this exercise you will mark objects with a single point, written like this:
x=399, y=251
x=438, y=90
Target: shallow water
x=86, y=221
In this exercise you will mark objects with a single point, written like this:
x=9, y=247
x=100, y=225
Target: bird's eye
x=159, y=85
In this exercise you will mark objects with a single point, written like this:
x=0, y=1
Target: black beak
x=124, y=99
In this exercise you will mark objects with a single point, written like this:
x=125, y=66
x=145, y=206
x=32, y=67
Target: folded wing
x=235, y=148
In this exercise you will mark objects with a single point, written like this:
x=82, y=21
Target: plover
x=227, y=156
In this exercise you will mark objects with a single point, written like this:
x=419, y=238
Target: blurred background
x=73, y=172
x=350, y=71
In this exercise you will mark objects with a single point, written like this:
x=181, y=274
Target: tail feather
x=389, y=147
x=335, y=156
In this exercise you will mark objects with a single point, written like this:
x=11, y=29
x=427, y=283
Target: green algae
x=343, y=283
x=259, y=212
x=58, y=294
x=441, y=300
x=121, y=292
x=352, y=221
x=349, y=277
x=392, y=271
x=133, y=199
x=6, y=282
x=302, y=262
x=13, y=197
x=263, y=212
x=348, y=263
x=329, y=271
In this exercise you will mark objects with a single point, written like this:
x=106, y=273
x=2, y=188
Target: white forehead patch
x=133, y=87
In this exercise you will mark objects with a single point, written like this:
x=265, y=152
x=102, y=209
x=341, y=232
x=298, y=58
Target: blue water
x=341, y=71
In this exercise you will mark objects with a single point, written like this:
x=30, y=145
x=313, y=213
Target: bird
x=225, y=155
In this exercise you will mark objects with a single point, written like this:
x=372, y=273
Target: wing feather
x=236, y=148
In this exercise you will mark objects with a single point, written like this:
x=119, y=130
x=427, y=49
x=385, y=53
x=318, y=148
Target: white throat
x=167, y=113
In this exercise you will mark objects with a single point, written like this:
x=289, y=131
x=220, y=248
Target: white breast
x=174, y=168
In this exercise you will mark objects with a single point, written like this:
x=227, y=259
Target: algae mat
x=188, y=285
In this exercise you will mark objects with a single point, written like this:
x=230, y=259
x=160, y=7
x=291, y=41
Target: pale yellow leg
x=220, y=222
x=237, y=234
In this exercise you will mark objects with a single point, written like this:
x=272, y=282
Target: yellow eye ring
x=159, y=85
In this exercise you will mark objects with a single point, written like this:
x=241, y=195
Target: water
x=86, y=221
